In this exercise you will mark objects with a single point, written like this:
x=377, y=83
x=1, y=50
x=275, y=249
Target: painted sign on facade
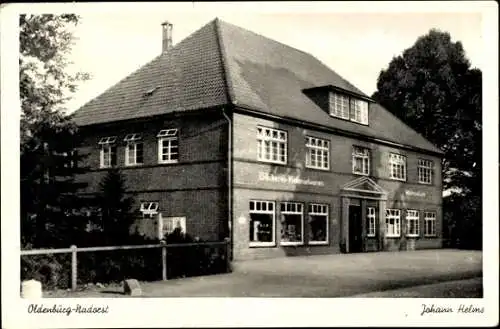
x=288, y=179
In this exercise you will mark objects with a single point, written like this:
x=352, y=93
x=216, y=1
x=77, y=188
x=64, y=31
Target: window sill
x=398, y=179
x=318, y=243
x=262, y=244
x=425, y=183
x=286, y=243
x=393, y=236
x=134, y=165
x=317, y=168
x=371, y=236
x=359, y=173
x=339, y=117
x=413, y=235
x=167, y=162
x=273, y=162
x=359, y=122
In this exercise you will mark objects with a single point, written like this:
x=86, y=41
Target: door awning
x=364, y=187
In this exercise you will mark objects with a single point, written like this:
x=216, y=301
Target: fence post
x=228, y=254
x=164, y=261
x=74, y=267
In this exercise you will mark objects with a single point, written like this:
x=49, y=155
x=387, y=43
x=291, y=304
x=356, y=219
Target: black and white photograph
x=249, y=159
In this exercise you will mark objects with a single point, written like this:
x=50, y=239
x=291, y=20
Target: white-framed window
x=134, y=151
x=318, y=153
x=149, y=209
x=271, y=145
x=292, y=223
x=359, y=111
x=392, y=222
x=412, y=223
x=425, y=170
x=339, y=105
x=371, y=224
x=108, y=152
x=360, y=160
x=262, y=223
x=168, y=146
x=397, y=166
x=318, y=223
x=168, y=225
x=430, y=223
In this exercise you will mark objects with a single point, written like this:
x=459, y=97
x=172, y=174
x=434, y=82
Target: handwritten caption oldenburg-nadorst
x=60, y=309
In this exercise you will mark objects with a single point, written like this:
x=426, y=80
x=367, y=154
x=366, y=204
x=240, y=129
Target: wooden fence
x=74, y=250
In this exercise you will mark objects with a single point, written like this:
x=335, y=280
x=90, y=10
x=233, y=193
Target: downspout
x=229, y=180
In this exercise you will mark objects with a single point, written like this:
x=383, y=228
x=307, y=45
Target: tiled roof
x=189, y=76
x=221, y=60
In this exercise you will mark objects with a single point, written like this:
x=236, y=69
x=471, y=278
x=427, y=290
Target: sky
x=113, y=42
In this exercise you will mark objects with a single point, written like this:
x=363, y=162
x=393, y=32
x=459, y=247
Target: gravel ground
x=384, y=274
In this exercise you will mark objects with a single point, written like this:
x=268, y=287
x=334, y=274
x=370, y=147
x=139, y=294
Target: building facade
x=181, y=175
x=331, y=193
x=231, y=134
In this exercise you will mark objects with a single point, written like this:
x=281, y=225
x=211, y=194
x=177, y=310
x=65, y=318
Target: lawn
x=468, y=288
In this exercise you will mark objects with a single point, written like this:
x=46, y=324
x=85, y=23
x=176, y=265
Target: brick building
x=231, y=134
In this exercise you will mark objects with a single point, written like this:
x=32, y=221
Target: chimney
x=167, y=36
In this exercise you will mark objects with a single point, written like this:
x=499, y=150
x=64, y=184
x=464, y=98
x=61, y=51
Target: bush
x=193, y=260
x=53, y=271
x=117, y=265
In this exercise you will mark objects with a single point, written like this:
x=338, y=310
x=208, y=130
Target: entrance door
x=355, y=228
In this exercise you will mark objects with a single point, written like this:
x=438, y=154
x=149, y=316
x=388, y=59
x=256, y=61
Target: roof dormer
x=340, y=103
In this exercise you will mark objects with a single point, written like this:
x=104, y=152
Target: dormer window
x=348, y=108
x=339, y=106
x=359, y=111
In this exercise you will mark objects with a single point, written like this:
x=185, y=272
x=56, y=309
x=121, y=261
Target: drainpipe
x=229, y=179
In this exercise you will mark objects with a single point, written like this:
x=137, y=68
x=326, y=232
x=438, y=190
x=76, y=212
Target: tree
x=48, y=137
x=462, y=227
x=115, y=208
x=432, y=88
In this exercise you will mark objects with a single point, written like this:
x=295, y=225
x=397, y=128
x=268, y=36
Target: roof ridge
x=262, y=36
x=293, y=48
